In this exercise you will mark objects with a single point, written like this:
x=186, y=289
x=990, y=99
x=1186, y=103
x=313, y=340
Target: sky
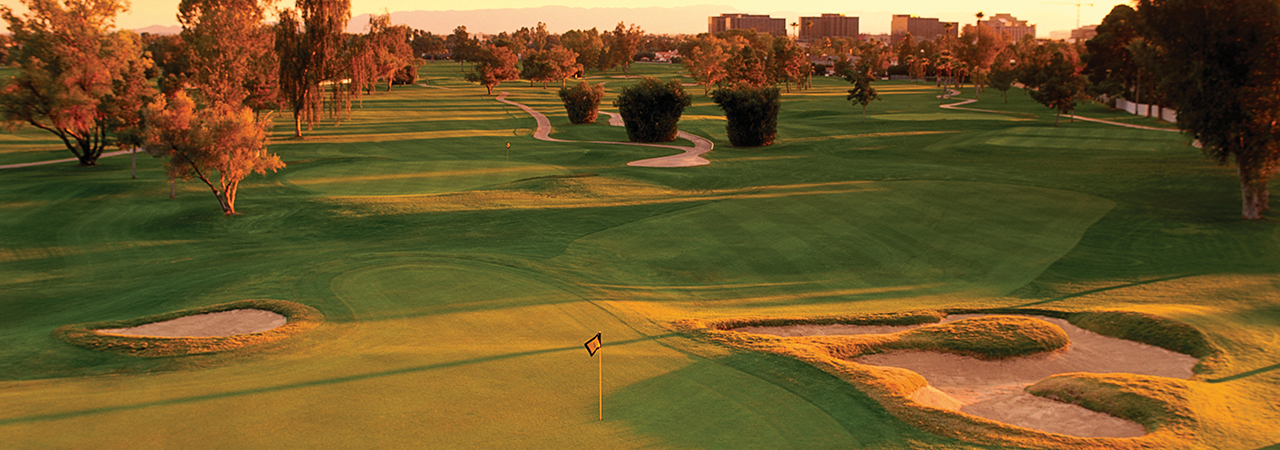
x=1047, y=15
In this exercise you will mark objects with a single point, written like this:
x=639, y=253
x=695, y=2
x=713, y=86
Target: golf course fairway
x=458, y=278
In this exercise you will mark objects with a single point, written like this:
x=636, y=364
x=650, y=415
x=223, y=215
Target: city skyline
x=1049, y=16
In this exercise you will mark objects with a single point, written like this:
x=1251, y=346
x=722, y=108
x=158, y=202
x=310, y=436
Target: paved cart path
x=957, y=106
x=691, y=156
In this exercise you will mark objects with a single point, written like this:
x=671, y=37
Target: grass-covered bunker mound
x=299, y=318
x=989, y=337
x=1159, y=404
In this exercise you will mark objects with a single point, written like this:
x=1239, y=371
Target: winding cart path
x=690, y=158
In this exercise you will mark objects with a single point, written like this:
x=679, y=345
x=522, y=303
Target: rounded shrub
x=651, y=110
x=582, y=101
x=752, y=114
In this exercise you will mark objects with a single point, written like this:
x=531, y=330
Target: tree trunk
x=1255, y=195
x=297, y=124
x=133, y=174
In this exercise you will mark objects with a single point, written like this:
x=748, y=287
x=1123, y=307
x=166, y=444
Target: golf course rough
x=990, y=337
x=299, y=319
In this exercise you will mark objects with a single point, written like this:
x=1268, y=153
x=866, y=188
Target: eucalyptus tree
x=308, y=43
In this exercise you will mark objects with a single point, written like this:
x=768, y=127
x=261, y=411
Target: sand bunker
x=994, y=389
x=225, y=323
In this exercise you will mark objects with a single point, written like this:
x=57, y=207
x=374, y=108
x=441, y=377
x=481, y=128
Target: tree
x=308, y=45
x=751, y=114
x=1056, y=84
x=462, y=46
x=788, y=63
x=587, y=44
x=4, y=49
x=582, y=102
x=1002, y=77
x=221, y=138
x=381, y=53
x=862, y=92
x=230, y=52
x=651, y=109
x=172, y=64
x=1111, y=69
x=624, y=44
x=77, y=79
x=537, y=66
x=979, y=47
x=747, y=67
x=495, y=65
x=565, y=62
x=424, y=43
x=1221, y=73
x=706, y=61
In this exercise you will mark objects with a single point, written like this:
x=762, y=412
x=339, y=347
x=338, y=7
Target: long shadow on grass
x=759, y=400
x=1110, y=288
x=1246, y=374
x=305, y=384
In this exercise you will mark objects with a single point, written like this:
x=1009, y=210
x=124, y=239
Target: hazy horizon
x=1048, y=16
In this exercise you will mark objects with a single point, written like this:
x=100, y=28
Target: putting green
x=920, y=237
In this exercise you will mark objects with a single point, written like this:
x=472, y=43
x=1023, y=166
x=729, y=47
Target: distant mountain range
x=159, y=29
x=678, y=20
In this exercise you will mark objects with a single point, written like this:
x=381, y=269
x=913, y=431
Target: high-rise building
x=1087, y=32
x=760, y=23
x=815, y=29
x=921, y=29
x=1010, y=26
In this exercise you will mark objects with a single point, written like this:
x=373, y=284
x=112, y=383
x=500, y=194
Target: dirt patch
x=995, y=389
x=225, y=323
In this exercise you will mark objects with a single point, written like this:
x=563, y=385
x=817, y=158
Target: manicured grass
x=457, y=287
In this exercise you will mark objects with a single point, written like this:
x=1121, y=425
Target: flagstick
x=600, y=360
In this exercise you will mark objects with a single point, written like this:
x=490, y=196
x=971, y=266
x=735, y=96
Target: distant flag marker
x=593, y=346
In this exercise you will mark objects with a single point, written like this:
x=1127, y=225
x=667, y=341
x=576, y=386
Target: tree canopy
x=308, y=41
x=230, y=51
x=493, y=66
x=222, y=138
x=1221, y=72
x=77, y=80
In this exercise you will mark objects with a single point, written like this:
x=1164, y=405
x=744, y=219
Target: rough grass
x=990, y=337
x=1146, y=328
x=300, y=319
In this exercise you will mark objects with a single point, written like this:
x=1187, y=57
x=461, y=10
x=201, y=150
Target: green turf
x=463, y=327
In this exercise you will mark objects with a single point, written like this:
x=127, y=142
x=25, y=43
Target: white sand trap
x=994, y=389
x=225, y=323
